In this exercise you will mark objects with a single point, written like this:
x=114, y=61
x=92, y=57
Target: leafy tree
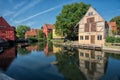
x=41, y=35
x=50, y=36
x=69, y=17
x=21, y=29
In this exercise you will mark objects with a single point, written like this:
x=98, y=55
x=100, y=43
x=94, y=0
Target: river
x=45, y=61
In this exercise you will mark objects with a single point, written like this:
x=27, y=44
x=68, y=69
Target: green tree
x=69, y=17
x=50, y=36
x=41, y=35
x=21, y=29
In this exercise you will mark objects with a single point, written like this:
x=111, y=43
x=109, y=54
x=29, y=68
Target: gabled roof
x=31, y=32
x=49, y=26
x=3, y=22
x=91, y=9
x=112, y=23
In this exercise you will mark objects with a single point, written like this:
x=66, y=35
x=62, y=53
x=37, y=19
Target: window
x=86, y=37
x=81, y=37
x=81, y=54
x=86, y=55
x=93, y=27
x=86, y=27
x=90, y=20
x=99, y=37
x=90, y=13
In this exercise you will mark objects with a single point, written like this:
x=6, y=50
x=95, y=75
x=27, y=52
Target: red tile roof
x=3, y=22
x=49, y=26
x=112, y=23
x=31, y=32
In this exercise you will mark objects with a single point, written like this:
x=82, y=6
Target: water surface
x=43, y=61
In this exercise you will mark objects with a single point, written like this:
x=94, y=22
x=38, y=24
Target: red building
x=7, y=32
x=47, y=28
x=113, y=25
x=31, y=33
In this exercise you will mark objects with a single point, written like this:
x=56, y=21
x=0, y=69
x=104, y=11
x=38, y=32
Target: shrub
x=113, y=39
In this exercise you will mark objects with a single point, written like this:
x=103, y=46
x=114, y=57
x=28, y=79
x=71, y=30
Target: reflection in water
x=92, y=63
x=48, y=49
x=69, y=63
x=6, y=57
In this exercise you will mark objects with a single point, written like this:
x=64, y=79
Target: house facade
x=113, y=26
x=47, y=28
x=7, y=32
x=93, y=28
x=57, y=36
x=31, y=33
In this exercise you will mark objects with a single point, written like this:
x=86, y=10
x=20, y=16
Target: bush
x=113, y=39
x=32, y=39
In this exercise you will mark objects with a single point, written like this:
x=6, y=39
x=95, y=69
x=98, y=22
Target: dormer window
x=90, y=13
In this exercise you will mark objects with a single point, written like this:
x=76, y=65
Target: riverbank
x=75, y=44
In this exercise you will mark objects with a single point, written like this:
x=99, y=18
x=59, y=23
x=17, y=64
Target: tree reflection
x=116, y=56
x=41, y=46
x=68, y=64
x=23, y=51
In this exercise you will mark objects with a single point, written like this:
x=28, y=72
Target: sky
x=36, y=13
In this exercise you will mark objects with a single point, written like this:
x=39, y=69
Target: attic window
x=90, y=13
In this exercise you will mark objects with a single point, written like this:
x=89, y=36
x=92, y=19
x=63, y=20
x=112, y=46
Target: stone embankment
x=75, y=44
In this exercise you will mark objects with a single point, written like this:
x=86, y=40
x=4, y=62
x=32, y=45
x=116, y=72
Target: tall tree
x=21, y=29
x=69, y=17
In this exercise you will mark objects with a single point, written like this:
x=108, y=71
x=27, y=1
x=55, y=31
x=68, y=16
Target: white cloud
x=30, y=23
x=19, y=5
x=25, y=8
x=40, y=13
x=7, y=13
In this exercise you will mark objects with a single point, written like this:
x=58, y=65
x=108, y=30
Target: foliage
x=113, y=39
x=50, y=36
x=69, y=17
x=117, y=20
x=41, y=35
x=32, y=39
x=21, y=29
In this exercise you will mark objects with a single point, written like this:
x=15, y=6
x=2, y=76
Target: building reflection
x=56, y=49
x=6, y=57
x=91, y=63
x=32, y=47
x=48, y=49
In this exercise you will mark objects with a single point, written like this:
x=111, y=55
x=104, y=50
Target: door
x=92, y=39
